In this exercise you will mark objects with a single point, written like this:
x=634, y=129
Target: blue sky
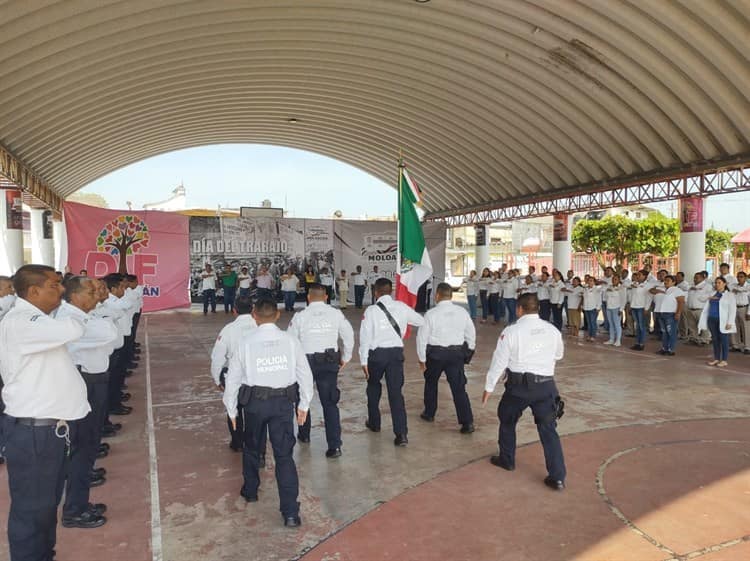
x=308, y=184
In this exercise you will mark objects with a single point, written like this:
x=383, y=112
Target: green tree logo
x=125, y=235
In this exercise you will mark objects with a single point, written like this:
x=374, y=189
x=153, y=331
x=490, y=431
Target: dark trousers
x=36, y=473
x=496, y=305
x=451, y=362
x=209, y=295
x=387, y=362
x=325, y=375
x=541, y=399
x=136, y=321
x=116, y=371
x=556, y=315
x=86, y=436
x=229, y=293
x=510, y=304
x=289, y=298
x=372, y=293
x=639, y=326
x=605, y=325
x=545, y=310
x=484, y=301
x=359, y=295
x=719, y=340
x=276, y=413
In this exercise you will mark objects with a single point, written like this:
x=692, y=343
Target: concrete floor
x=657, y=449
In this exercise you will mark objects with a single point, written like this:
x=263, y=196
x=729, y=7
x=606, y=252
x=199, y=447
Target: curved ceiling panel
x=490, y=100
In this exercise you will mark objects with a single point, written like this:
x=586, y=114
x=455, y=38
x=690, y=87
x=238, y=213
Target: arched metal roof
x=490, y=100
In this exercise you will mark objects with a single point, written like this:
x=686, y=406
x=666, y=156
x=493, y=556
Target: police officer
x=266, y=373
x=228, y=342
x=90, y=354
x=318, y=327
x=43, y=392
x=381, y=353
x=124, y=310
x=525, y=359
x=444, y=343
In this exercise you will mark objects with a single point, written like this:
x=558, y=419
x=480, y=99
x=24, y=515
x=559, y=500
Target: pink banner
x=153, y=245
x=691, y=214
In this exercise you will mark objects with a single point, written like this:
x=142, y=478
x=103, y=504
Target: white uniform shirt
x=684, y=286
x=271, y=358
x=592, y=298
x=290, y=284
x=556, y=294
x=510, y=288
x=319, y=326
x=574, y=297
x=638, y=295
x=484, y=283
x=494, y=286
x=616, y=296
x=326, y=279
x=264, y=281
x=668, y=301
x=372, y=276
x=529, y=288
x=472, y=286
x=126, y=311
x=6, y=303
x=741, y=293
x=731, y=280
x=245, y=280
x=698, y=295
x=530, y=345
x=605, y=283
x=659, y=296
x=90, y=352
x=228, y=342
x=358, y=279
x=40, y=378
x=209, y=282
x=376, y=331
x=342, y=283
x=445, y=325
x=543, y=290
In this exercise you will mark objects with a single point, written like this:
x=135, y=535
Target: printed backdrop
x=151, y=244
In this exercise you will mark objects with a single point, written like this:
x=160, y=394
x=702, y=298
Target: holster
x=223, y=377
x=246, y=392
x=468, y=353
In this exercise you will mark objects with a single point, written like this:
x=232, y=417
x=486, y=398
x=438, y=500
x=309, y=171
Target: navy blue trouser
x=289, y=299
x=209, y=295
x=359, y=295
x=510, y=304
x=541, y=399
x=85, y=438
x=557, y=315
x=451, y=362
x=388, y=362
x=545, y=310
x=276, y=413
x=229, y=293
x=485, y=302
x=325, y=375
x=36, y=475
x=116, y=378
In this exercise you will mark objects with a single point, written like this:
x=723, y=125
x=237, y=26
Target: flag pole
x=398, y=215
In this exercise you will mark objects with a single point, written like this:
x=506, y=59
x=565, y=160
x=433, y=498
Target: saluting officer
x=228, y=342
x=525, y=359
x=43, y=392
x=90, y=354
x=318, y=327
x=381, y=353
x=268, y=371
x=444, y=344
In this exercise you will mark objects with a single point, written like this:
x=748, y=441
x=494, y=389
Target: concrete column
x=562, y=250
x=60, y=239
x=11, y=231
x=42, y=244
x=692, y=236
x=482, y=245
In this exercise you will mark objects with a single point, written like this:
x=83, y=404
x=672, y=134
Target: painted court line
x=156, y=545
x=176, y=403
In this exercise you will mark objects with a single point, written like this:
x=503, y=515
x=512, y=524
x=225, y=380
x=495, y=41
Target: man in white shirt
x=7, y=296
x=444, y=344
x=668, y=305
x=360, y=284
x=342, y=284
x=638, y=297
x=90, y=354
x=271, y=369
x=741, y=339
x=525, y=359
x=43, y=392
x=319, y=328
x=228, y=342
x=289, y=286
x=381, y=353
x=125, y=310
x=373, y=276
x=245, y=281
x=208, y=288
x=697, y=296
x=509, y=295
x=730, y=278
x=326, y=280
x=605, y=282
x=264, y=284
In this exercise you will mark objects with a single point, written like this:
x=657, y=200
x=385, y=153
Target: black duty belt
x=695, y=309
x=743, y=306
x=527, y=378
x=445, y=348
x=332, y=356
x=32, y=422
x=263, y=393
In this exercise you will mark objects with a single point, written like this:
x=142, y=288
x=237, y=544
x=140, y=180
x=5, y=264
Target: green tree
x=624, y=237
x=717, y=242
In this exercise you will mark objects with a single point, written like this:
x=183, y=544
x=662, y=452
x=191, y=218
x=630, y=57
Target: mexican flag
x=416, y=267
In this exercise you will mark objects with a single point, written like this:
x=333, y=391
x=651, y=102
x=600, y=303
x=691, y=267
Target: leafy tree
x=717, y=242
x=125, y=235
x=624, y=237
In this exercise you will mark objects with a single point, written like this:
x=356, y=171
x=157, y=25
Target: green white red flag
x=415, y=265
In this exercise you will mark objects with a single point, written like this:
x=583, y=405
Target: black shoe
x=96, y=481
x=85, y=520
x=661, y=352
x=97, y=508
x=401, y=440
x=104, y=446
x=555, y=484
x=635, y=348
x=248, y=498
x=108, y=432
x=125, y=396
x=98, y=472
x=746, y=352
x=102, y=453
x=128, y=374
x=499, y=462
x=2, y=460
x=121, y=410
x=669, y=353
x=425, y=417
x=116, y=427
x=235, y=447
x=292, y=521
x=467, y=429
x=333, y=453
x=372, y=428
x=131, y=365
x=305, y=439
x=262, y=461
x=124, y=387
x=735, y=350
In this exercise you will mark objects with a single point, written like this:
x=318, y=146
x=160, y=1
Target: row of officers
x=65, y=351
x=267, y=377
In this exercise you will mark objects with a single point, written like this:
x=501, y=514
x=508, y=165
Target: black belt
x=32, y=422
x=695, y=309
x=331, y=355
x=263, y=392
x=745, y=306
x=445, y=348
x=527, y=378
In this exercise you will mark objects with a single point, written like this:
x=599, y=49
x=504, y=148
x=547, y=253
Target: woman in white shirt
x=484, y=287
x=543, y=295
x=719, y=316
x=592, y=301
x=472, y=291
x=574, y=298
x=638, y=298
x=616, y=297
x=289, y=285
x=556, y=297
x=495, y=286
x=668, y=308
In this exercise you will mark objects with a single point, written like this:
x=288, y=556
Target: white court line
x=174, y=403
x=156, y=545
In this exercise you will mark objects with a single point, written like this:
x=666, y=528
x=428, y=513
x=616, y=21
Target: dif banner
x=151, y=244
